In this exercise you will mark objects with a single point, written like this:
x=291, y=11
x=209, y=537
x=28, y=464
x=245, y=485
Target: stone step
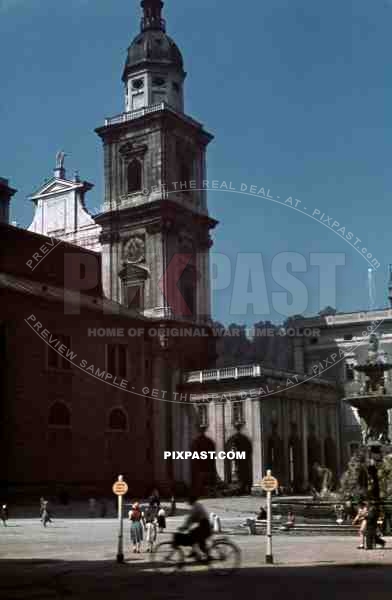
x=307, y=529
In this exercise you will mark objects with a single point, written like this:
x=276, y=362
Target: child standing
x=361, y=519
x=161, y=519
x=151, y=534
x=4, y=514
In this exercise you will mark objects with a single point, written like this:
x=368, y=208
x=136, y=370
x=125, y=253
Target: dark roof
x=152, y=45
x=40, y=258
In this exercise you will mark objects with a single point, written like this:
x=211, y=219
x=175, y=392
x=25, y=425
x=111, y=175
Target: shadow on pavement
x=41, y=579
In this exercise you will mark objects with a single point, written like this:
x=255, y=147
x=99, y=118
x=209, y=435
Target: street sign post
x=269, y=484
x=120, y=488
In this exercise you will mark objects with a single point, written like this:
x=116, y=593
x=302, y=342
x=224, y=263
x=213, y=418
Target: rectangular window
x=187, y=285
x=117, y=360
x=111, y=359
x=56, y=360
x=122, y=361
x=238, y=413
x=203, y=415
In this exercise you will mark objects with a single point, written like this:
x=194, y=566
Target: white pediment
x=56, y=186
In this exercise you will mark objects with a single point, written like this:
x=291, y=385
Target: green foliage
x=385, y=478
x=354, y=482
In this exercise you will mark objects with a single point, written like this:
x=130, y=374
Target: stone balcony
x=148, y=110
x=245, y=371
x=221, y=374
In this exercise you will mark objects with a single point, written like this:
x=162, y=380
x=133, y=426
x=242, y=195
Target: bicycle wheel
x=167, y=559
x=225, y=557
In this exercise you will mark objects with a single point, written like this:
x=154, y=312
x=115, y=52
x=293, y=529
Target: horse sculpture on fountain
x=322, y=481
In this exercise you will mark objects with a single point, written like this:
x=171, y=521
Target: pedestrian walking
x=4, y=514
x=373, y=537
x=151, y=534
x=290, y=523
x=161, y=519
x=103, y=509
x=41, y=506
x=154, y=501
x=92, y=508
x=45, y=517
x=216, y=525
x=361, y=520
x=136, y=518
x=173, y=506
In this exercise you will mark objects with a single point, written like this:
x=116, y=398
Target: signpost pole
x=269, y=483
x=269, y=559
x=120, y=488
x=120, y=551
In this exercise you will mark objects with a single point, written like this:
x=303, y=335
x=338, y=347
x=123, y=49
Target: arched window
x=118, y=420
x=350, y=373
x=59, y=415
x=134, y=176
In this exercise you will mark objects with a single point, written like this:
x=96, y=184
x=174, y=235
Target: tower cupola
x=153, y=71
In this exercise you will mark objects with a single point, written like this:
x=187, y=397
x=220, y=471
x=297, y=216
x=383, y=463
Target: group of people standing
x=147, y=524
x=369, y=520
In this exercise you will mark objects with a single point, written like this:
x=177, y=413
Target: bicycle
x=224, y=557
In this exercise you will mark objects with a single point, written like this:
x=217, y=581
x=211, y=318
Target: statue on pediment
x=60, y=156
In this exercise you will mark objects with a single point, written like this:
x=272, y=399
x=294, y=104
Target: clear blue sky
x=297, y=93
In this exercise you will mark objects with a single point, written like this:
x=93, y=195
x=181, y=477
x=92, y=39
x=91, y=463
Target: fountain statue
x=372, y=405
x=368, y=475
x=373, y=402
x=323, y=479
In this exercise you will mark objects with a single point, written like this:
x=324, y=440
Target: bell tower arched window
x=118, y=420
x=134, y=176
x=59, y=415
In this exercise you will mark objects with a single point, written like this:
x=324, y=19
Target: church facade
x=149, y=252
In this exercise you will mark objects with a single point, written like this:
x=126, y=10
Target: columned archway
x=314, y=453
x=330, y=455
x=275, y=455
x=203, y=470
x=295, y=460
x=239, y=471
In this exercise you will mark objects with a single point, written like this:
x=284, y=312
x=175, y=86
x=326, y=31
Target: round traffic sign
x=120, y=488
x=269, y=483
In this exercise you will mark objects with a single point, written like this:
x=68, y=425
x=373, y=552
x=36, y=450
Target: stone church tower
x=155, y=226
x=155, y=222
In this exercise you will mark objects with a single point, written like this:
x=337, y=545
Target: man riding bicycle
x=199, y=528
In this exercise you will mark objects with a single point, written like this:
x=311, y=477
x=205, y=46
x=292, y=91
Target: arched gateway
x=239, y=471
x=204, y=474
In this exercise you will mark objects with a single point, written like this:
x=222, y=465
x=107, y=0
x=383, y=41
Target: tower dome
x=154, y=68
x=152, y=46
